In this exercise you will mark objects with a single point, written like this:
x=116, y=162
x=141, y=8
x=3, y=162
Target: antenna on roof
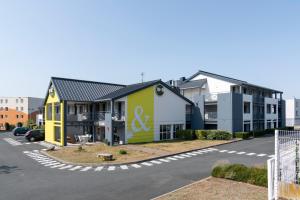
x=142, y=74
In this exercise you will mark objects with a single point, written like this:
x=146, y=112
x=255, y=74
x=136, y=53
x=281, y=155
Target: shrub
x=242, y=135
x=259, y=133
x=212, y=135
x=122, y=152
x=186, y=134
x=237, y=172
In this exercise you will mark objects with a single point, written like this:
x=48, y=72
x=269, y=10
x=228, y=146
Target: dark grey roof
x=137, y=87
x=80, y=90
x=193, y=84
x=128, y=90
x=228, y=79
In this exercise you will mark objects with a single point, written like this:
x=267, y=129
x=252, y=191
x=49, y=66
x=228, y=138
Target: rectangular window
x=6, y=108
x=274, y=109
x=17, y=100
x=17, y=109
x=22, y=116
x=22, y=100
x=269, y=108
x=247, y=107
x=6, y=101
x=275, y=124
x=1, y=116
x=165, y=132
x=247, y=127
x=49, y=111
x=17, y=116
x=177, y=127
x=22, y=108
x=57, y=112
x=269, y=124
x=57, y=133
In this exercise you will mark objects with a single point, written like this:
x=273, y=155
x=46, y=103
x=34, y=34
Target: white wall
x=292, y=112
x=215, y=85
x=168, y=109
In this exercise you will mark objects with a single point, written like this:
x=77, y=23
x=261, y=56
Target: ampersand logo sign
x=142, y=125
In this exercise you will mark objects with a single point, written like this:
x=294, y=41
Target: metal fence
x=285, y=169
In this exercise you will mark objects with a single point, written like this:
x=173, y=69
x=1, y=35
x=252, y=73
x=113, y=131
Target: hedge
x=186, y=135
x=242, y=135
x=242, y=173
x=212, y=135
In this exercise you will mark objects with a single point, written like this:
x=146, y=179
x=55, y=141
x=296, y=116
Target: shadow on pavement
x=4, y=169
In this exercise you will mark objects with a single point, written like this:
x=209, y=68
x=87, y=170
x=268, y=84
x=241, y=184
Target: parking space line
x=111, y=168
x=155, y=162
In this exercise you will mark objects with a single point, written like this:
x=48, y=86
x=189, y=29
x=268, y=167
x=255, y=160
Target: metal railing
x=211, y=97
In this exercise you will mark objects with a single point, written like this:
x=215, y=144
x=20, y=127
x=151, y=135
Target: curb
x=135, y=162
x=186, y=186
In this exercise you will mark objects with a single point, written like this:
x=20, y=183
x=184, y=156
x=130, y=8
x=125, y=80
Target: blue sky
x=114, y=41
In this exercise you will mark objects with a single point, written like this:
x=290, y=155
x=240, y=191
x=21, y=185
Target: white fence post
x=276, y=177
x=271, y=178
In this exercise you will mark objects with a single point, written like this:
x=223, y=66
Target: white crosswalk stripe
x=86, y=169
x=172, y=158
x=191, y=154
x=155, y=162
x=48, y=165
x=231, y=152
x=12, y=142
x=66, y=167
x=250, y=154
x=98, y=169
x=48, y=162
x=180, y=157
x=241, y=153
x=164, y=160
x=185, y=155
x=147, y=164
x=111, y=168
x=261, y=155
x=57, y=166
x=75, y=168
x=136, y=166
x=223, y=151
x=271, y=156
x=198, y=152
x=124, y=167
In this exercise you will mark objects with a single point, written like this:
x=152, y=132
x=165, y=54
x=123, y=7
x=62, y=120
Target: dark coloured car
x=35, y=135
x=20, y=131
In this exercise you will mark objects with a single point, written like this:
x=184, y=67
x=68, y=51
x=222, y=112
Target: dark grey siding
x=198, y=113
x=230, y=112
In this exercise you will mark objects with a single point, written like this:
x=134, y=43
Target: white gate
x=285, y=169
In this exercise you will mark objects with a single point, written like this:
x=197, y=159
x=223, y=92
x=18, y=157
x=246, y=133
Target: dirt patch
x=216, y=189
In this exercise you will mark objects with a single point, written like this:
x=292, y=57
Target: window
x=1, y=116
x=17, y=109
x=57, y=133
x=57, y=111
x=17, y=100
x=297, y=113
x=247, y=107
x=6, y=116
x=6, y=101
x=275, y=124
x=80, y=109
x=17, y=116
x=269, y=108
x=1, y=101
x=6, y=108
x=22, y=100
x=274, y=109
x=247, y=127
x=165, y=132
x=22, y=108
x=297, y=104
x=49, y=111
x=177, y=127
x=22, y=116
x=269, y=124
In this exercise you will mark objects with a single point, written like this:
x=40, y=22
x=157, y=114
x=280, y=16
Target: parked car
x=35, y=135
x=20, y=131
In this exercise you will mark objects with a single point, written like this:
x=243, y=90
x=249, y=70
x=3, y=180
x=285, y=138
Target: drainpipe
x=112, y=107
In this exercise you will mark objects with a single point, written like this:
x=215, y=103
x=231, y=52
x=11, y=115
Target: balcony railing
x=211, y=97
x=97, y=116
x=211, y=116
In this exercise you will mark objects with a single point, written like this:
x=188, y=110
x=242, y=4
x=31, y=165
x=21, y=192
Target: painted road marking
x=147, y=164
x=172, y=158
x=75, y=168
x=191, y=154
x=56, y=163
x=66, y=167
x=111, y=168
x=185, y=155
x=241, y=153
x=180, y=157
x=136, y=166
x=98, y=169
x=250, y=154
x=164, y=160
x=86, y=169
x=261, y=155
x=231, y=152
x=271, y=156
x=57, y=166
x=223, y=151
x=124, y=167
x=155, y=162
x=12, y=142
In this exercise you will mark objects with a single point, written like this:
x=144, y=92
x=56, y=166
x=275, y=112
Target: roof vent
x=182, y=78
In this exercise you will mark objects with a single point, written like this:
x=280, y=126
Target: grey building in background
x=230, y=104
